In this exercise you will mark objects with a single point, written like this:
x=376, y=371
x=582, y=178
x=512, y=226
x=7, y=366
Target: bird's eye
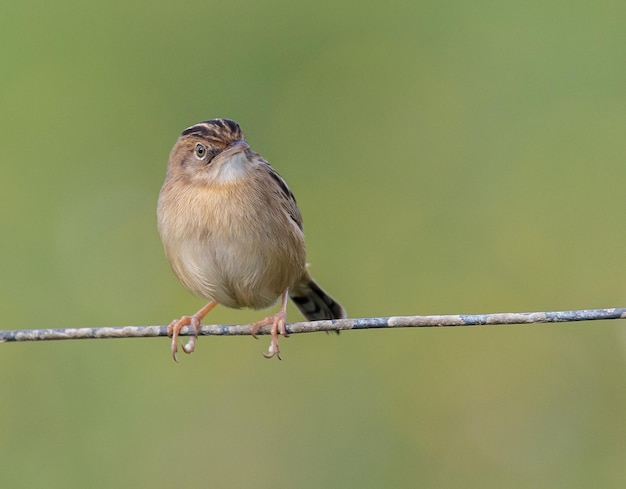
x=200, y=151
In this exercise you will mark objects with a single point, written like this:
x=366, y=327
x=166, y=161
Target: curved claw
x=173, y=330
x=270, y=355
x=191, y=343
x=189, y=347
x=278, y=327
x=175, y=326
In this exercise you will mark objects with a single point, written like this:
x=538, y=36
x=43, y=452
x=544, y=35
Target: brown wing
x=287, y=198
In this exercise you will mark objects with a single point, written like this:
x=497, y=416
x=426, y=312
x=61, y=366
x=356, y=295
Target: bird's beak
x=233, y=149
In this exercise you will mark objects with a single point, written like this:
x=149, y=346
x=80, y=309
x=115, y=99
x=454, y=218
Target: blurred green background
x=448, y=157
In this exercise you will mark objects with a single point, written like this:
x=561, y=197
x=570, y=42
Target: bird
x=232, y=233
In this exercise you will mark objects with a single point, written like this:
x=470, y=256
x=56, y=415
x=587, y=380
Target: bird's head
x=210, y=152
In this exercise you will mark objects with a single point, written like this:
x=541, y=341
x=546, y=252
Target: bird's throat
x=232, y=169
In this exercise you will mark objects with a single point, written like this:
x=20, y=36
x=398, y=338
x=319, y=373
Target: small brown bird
x=232, y=232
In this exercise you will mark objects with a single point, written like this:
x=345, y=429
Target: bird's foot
x=278, y=327
x=173, y=330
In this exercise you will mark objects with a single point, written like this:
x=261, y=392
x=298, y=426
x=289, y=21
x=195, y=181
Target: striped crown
x=219, y=132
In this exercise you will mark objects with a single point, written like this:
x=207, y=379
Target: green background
x=448, y=157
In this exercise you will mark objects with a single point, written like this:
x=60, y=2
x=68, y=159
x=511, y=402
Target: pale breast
x=234, y=247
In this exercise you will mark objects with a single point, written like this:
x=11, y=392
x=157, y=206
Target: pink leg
x=175, y=326
x=278, y=327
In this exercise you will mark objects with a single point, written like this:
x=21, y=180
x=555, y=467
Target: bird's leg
x=194, y=321
x=278, y=327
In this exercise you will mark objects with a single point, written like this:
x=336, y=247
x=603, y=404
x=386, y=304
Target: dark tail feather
x=314, y=303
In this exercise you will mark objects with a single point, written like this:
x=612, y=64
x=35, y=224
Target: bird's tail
x=313, y=302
